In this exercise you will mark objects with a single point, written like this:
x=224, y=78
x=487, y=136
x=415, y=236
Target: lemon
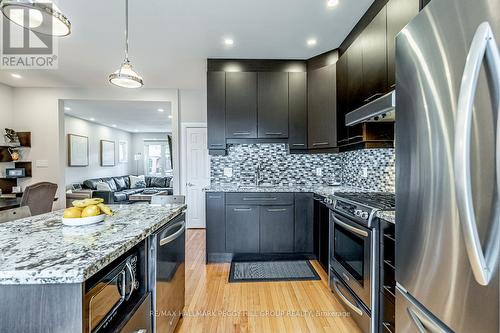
x=73, y=213
x=91, y=210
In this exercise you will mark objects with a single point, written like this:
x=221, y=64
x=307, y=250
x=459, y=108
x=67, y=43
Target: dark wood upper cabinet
x=241, y=105
x=322, y=107
x=355, y=75
x=399, y=14
x=216, y=110
x=272, y=105
x=374, y=39
x=297, y=110
x=342, y=99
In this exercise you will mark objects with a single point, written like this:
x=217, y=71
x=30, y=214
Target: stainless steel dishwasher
x=167, y=274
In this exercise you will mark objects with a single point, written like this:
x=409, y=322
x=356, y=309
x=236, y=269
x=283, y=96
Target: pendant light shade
x=125, y=76
x=43, y=16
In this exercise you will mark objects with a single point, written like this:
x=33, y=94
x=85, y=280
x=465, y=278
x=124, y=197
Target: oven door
x=352, y=255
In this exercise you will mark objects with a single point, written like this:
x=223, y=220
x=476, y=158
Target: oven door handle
x=171, y=238
x=353, y=307
x=128, y=265
x=350, y=228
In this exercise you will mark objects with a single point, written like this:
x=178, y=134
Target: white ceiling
x=130, y=116
x=170, y=40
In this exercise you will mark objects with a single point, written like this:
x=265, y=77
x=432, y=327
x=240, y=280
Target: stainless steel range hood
x=381, y=109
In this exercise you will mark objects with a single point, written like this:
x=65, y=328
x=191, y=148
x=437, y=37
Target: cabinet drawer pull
x=242, y=209
x=298, y=144
x=320, y=144
x=215, y=197
x=216, y=145
x=372, y=97
x=241, y=133
x=258, y=199
x=276, y=209
x=393, y=85
x=274, y=133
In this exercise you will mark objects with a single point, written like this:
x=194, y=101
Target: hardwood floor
x=214, y=305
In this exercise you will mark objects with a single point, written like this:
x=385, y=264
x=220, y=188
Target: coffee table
x=145, y=197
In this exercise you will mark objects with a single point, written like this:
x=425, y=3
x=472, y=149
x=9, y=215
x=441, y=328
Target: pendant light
x=44, y=16
x=125, y=76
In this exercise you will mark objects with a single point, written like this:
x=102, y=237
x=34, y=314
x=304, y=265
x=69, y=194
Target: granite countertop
x=322, y=190
x=387, y=216
x=41, y=250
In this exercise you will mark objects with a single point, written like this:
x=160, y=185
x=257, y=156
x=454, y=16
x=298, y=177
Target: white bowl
x=83, y=220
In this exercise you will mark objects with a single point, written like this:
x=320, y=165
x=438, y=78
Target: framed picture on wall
x=78, y=150
x=107, y=153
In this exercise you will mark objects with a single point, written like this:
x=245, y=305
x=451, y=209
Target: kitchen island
x=47, y=269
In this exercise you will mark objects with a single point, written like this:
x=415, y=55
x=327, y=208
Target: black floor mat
x=271, y=270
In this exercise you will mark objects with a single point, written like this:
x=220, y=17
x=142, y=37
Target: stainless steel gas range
x=354, y=252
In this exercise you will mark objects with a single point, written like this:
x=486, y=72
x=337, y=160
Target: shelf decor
x=107, y=153
x=78, y=150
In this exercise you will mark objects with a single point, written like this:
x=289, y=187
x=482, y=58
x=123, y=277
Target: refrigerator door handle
x=483, y=46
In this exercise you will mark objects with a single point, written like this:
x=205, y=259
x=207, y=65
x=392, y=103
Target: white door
x=197, y=175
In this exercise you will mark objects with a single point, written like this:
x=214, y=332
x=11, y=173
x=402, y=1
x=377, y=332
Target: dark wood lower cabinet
x=276, y=229
x=270, y=223
x=242, y=229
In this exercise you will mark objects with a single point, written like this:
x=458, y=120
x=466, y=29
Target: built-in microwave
x=115, y=292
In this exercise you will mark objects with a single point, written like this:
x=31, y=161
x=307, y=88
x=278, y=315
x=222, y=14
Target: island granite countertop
x=41, y=250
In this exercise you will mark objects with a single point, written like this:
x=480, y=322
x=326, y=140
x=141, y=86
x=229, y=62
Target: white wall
x=193, y=105
x=40, y=110
x=6, y=108
x=95, y=133
x=138, y=147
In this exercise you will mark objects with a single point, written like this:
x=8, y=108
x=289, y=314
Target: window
x=157, y=158
x=123, y=152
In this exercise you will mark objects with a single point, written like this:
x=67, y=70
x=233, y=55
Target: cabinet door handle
x=216, y=145
x=320, y=143
x=393, y=85
x=276, y=210
x=214, y=197
x=242, y=209
x=372, y=97
x=298, y=144
x=241, y=133
x=274, y=133
x=258, y=199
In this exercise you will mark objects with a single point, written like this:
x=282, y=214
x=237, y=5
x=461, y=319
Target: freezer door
x=435, y=262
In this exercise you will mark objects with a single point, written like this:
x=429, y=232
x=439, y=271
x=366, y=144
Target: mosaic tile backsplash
x=274, y=165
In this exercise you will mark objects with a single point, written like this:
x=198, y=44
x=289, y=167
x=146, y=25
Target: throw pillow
x=102, y=186
x=137, y=179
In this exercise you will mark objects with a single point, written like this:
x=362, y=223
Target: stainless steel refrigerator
x=448, y=162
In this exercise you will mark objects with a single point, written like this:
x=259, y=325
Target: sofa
x=120, y=190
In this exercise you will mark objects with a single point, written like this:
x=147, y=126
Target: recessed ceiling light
x=92, y=119
x=67, y=108
x=170, y=116
x=16, y=76
x=228, y=42
x=332, y=3
x=312, y=42
x=114, y=125
x=161, y=110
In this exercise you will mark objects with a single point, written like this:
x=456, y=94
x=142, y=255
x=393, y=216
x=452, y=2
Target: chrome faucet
x=257, y=175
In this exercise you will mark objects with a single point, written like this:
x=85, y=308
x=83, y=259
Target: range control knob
x=364, y=215
x=358, y=212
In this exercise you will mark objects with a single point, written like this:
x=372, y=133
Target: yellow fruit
x=105, y=209
x=73, y=213
x=91, y=210
x=87, y=202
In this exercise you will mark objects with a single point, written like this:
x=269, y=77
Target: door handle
x=349, y=227
x=171, y=238
x=344, y=299
x=373, y=96
x=483, y=46
x=190, y=184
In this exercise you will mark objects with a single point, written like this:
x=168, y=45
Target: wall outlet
x=228, y=172
x=364, y=172
x=319, y=172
